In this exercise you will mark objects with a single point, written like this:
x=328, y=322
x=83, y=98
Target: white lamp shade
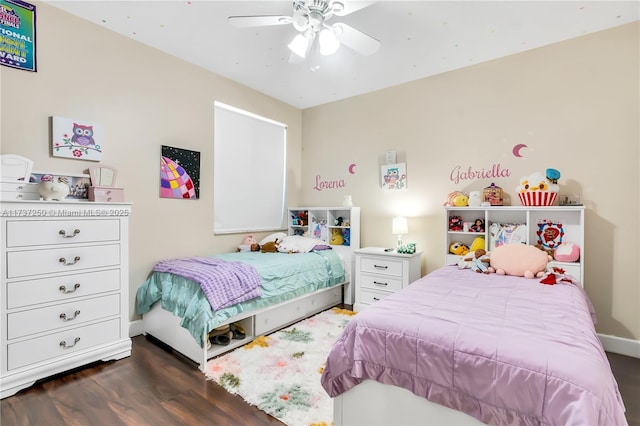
x=329, y=43
x=299, y=45
x=399, y=226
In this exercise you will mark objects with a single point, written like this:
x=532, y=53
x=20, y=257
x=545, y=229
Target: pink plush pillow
x=521, y=260
x=566, y=252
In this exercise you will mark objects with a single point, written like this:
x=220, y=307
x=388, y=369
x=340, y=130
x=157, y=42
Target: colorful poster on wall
x=76, y=139
x=18, y=34
x=394, y=176
x=179, y=173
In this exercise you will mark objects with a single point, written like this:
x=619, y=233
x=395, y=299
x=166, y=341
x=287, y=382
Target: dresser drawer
x=368, y=297
x=22, y=233
x=380, y=282
x=55, y=289
x=47, y=348
x=34, y=321
x=381, y=266
x=106, y=194
x=17, y=196
x=23, y=187
x=33, y=262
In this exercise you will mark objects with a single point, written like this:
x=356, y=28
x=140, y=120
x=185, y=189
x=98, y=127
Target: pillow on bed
x=275, y=236
x=299, y=244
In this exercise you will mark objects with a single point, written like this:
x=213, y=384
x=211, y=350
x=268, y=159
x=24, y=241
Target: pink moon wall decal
x=352, y=169
x=517, y=148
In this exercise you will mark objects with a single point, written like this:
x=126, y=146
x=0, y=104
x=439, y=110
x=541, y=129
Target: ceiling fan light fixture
x=299, y=45
x=329, y=43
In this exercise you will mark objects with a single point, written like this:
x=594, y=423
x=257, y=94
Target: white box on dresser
x=379, y=273
x=65, y=281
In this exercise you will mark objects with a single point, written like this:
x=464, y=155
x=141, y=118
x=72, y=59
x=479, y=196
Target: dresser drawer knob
x=64, y=233
x=64, y=261
x=63, y=288
x=379, y=283
x=64, y=344
x=63, y=316
x=380, y=266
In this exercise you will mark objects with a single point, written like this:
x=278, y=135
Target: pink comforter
x=505, y=350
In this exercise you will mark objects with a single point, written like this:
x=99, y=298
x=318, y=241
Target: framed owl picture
x=76, y=139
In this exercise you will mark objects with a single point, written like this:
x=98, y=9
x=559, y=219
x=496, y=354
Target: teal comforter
x=283, y=276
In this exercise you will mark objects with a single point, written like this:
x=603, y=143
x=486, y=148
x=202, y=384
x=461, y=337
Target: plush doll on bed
x=481, y=263
x=521, y=260
x=249, y=244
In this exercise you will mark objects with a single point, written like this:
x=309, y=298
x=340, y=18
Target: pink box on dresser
x=106, y=194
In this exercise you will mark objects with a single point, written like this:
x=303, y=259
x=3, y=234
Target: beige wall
x=575, y=105
x=144, y=99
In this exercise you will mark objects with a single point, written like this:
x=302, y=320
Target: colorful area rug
x=280, y=373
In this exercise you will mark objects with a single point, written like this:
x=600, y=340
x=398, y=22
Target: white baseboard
x=620, y=345
x=135, y=328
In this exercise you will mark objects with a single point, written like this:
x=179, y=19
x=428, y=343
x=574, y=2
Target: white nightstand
x=379, y=273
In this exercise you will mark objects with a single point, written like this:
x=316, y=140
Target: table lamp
x=400, y=228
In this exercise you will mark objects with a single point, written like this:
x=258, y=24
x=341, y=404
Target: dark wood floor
x=157, y=387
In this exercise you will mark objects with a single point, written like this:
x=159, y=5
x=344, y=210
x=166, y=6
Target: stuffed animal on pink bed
x=521, y=260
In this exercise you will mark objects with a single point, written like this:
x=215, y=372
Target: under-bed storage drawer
x=48, y=347
x=280, y=316
x=275, y=318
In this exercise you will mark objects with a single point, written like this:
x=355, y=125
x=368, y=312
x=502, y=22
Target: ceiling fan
x=310, y=18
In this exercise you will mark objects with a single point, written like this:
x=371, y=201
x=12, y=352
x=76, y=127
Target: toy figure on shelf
x=478, y=226
x=455, y=223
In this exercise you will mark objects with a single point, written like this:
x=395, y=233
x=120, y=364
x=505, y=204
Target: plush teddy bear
x=521, y=260
x=270, y=247
x=249, y=243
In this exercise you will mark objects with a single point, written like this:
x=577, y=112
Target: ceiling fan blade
x=258, y=21
x=295, y=59
x=356, y=40
x=350, y=6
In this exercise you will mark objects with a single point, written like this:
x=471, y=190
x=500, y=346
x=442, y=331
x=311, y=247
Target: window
x=249, y=172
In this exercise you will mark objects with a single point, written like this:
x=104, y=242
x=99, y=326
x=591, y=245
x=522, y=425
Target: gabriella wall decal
x=458, y=173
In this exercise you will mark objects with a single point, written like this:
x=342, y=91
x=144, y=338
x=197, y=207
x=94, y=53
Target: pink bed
x=505, y=350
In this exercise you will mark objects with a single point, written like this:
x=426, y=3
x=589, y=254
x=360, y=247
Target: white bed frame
x=165, y=326
x=373, y=403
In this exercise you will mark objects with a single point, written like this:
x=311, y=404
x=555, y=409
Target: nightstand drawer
x=376, y=265
x=368, y=297
x=380, y=282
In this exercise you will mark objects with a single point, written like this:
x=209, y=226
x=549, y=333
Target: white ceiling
x=419, y=38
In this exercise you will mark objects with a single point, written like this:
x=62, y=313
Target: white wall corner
x=135, y=328
x=620, y=345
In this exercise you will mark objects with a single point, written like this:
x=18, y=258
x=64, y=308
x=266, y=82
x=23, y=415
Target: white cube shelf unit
x=322, y=222
x=569, y=218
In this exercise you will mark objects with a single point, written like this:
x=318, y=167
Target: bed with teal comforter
x=282, y=277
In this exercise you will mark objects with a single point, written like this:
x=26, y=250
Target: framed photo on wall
x=394, y=176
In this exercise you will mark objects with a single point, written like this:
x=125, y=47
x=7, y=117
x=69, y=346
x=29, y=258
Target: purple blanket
x=224, y=283
x=505, y=350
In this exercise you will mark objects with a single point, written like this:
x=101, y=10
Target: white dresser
x=380, y=273
x=64, y=298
